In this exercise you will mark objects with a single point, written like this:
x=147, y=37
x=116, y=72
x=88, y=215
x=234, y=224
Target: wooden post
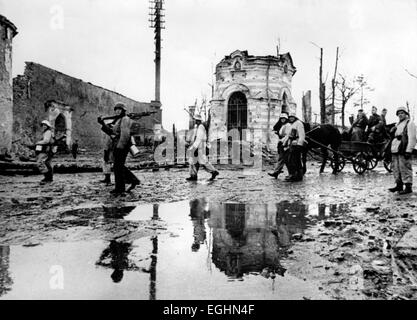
x=334, y=86
x=306, y=102
x=268, y=136
x=174, y=133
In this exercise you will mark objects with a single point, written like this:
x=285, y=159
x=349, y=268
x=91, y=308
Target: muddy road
x=243, y=236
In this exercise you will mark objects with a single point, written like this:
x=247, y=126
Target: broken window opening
x=237, y=112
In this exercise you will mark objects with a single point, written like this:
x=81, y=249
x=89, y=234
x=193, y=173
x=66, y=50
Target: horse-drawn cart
x=362, y=155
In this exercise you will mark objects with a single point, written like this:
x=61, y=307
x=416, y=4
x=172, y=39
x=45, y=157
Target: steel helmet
x=47, y=123
x=402, y=109
x=120, y=106
x=283, y=115
x=198, y=117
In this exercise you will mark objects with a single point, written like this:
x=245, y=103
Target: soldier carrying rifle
x=121, y=142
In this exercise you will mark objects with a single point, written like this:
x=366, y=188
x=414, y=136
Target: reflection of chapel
x=250, y=93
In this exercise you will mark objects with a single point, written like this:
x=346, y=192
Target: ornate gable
x=287, y=62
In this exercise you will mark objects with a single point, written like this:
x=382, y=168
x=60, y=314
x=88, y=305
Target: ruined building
x=72, y=106
x=250, y=93
x=7, y=32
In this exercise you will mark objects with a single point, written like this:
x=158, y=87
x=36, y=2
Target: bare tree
x=364, y=88
x=346, y=91
x=322, y=87
x=334, y=85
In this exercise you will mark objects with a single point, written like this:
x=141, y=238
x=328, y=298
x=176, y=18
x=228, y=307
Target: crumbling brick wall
x=7, y=32
x=39, y=84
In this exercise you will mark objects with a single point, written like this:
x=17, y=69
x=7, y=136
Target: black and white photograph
x=208, y=150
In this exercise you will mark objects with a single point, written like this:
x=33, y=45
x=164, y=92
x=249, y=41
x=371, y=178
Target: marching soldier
x=402, y=147
x=295, y=141
x=45, y=154
x=199, y=144
x=282, y=129
x=74, y=149
x=122, y=142
x=108, y=158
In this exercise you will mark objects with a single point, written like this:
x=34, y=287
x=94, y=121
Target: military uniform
x=295, y=141
x=45, y=155
x=402, y=147
x=282, y=132
x=375, y=127
x=122, y=175
x=358, y=128
x=199, y=145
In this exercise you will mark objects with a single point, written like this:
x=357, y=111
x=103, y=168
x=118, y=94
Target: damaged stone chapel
x=250, y=93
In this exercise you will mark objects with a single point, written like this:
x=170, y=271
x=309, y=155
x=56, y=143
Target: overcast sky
x=109, y=43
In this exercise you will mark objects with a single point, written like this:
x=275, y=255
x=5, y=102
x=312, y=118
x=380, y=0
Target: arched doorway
x=60, y=131
x=237, y=112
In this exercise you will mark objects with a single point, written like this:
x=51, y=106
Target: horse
x=326, y=135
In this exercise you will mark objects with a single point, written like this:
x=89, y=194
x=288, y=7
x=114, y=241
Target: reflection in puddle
x=248, y=238
x=324, y=210
x=116, y=256
x=5, y=279
x=207, y=248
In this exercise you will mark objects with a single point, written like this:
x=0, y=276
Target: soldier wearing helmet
x=402, y=147
x=122, y=143
x=197, y=152
x=295, y=141
x=281, y=128
x=44, y=152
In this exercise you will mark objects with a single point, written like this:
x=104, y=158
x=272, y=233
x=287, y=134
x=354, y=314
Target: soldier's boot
x=47, y=178
x=133, y=185
x=214, y=175
x=398, y=187
x=408, y=189
x=295, y=178
x=275, y=174
x=300, y=175
x=106, y=179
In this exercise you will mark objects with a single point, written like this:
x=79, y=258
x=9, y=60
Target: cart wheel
x=388, y=165
x=372, y=163
x=360, y=164
x=341, y=164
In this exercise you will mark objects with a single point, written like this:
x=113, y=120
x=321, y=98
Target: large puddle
x=211, y=251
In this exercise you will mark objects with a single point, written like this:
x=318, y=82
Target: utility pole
x=157, y=23
x=334, y=85
x=322, y=91
x=278, y=47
